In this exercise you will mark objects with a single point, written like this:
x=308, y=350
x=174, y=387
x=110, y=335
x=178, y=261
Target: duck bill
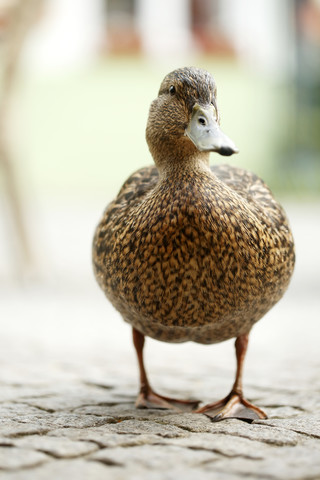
x=204, y=131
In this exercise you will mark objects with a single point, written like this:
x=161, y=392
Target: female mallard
x=192, y=252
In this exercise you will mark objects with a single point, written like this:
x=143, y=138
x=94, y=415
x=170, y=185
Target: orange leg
x=235, y=405
x=147, y=398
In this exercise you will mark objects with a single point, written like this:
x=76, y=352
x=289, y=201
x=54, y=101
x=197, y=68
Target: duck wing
x=138, y=184
x=253, y=190
x=131, y=192
x=115, y=215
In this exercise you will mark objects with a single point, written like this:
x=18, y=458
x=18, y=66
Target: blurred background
x=77, y=79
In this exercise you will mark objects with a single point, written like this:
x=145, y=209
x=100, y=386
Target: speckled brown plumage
x=185, y=251
x=202, y=258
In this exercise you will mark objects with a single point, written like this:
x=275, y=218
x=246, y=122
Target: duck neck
x=176, y=166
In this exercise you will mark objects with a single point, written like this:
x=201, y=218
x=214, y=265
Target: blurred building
x=258, y=31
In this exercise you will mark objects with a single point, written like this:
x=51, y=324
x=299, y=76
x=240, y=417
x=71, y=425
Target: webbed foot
x=149, y=399
x=232, y=406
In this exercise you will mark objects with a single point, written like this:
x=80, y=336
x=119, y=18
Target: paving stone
x=226, y=445
x=307, y=400
x=126, y=427
x=95, y=470
x=6, y=442
x=18, y=392
x=189, y=421
x=304, y=424
x=57, y=447
x=49, y=421
x=80, y=421
x=120, y=411
x=238, y=428
x=145, y=427
x=299, y=463
x=66, y=469
x=12, y=458
x=15, y=409
x=177, y=472
x=261, y=433
x=285, y=411
x=105, y=439
x=162, y=457
x=15, y=429
x=69, y=398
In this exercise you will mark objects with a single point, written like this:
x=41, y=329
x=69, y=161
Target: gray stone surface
x=12, y=458
x=68, y=380
x=56, y=446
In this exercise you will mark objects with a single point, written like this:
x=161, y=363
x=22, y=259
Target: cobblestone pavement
x=68, y=380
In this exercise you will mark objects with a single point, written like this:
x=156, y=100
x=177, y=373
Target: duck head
x=183, y=121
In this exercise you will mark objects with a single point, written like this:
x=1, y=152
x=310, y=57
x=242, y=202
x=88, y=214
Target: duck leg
x=147, y=398
x=235, y=405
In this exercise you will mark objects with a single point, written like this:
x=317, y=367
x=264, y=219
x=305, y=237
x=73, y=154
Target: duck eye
x=172, y=90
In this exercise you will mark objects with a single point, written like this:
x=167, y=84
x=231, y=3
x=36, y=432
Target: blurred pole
x=70, y=35
x=19, y=19
x=165, y=28
x=258, y=30
x=307, y=98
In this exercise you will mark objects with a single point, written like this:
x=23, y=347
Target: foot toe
x=233, y=406
x=153, y=400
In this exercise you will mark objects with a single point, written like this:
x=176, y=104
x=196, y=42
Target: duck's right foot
x=149, y=399
x=233, y=406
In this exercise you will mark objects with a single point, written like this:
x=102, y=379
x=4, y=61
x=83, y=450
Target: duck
x=189, y=251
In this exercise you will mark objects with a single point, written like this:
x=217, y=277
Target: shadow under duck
x=189, y=252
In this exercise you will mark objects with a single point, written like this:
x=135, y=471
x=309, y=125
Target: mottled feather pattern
x=201, y=258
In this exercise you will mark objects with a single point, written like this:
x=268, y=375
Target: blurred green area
x=84, y=133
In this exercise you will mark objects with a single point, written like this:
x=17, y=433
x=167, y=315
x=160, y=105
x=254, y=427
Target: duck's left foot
x=233, y=406
x=150, y=399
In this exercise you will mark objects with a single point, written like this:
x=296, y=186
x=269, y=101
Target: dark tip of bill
x=227, y=151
